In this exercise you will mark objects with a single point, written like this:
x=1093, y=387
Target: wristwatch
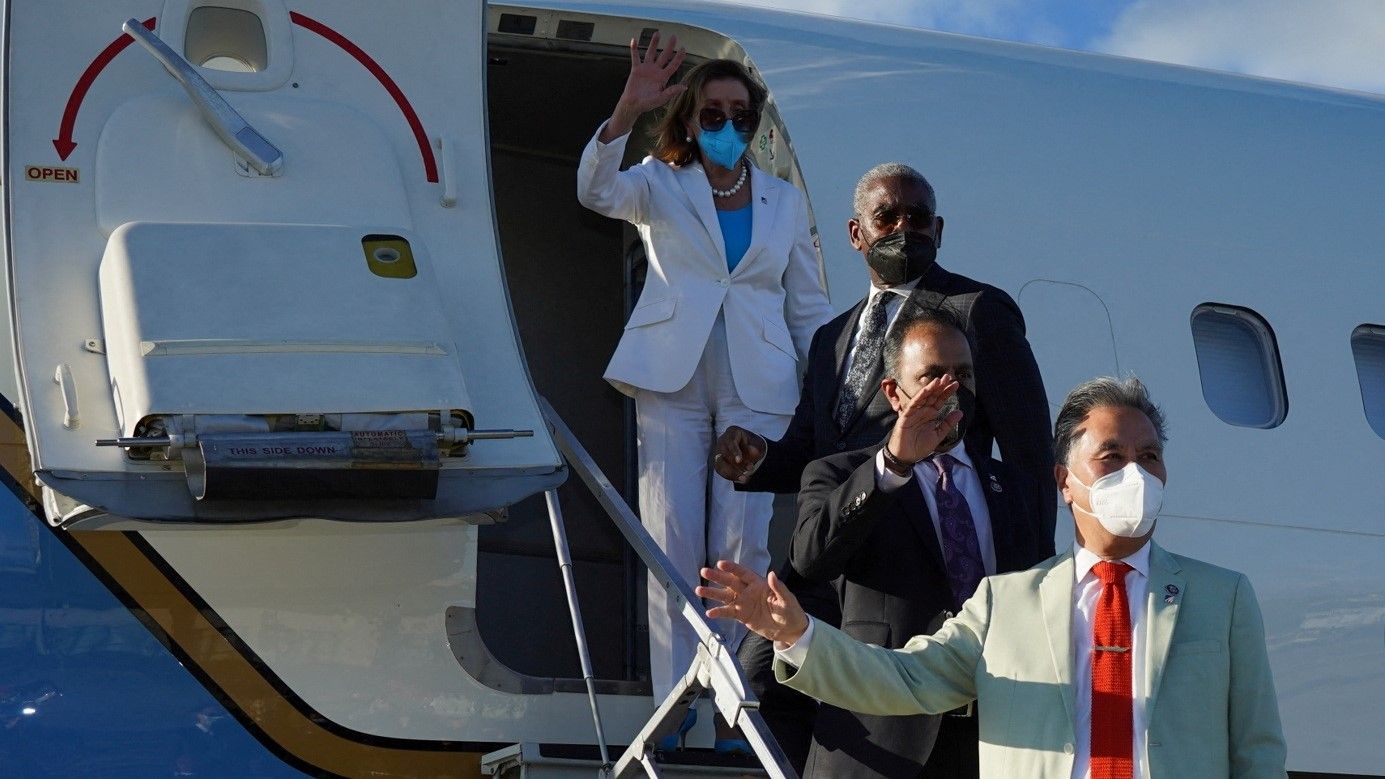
x=895, y=465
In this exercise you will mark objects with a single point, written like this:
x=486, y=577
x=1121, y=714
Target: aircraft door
x=255, y=265
x=1058, y=314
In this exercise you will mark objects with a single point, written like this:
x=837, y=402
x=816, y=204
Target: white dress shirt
x=893, y=305
x=1085, y=592
x=968, y=482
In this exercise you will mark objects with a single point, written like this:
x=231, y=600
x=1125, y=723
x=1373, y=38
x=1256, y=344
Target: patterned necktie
x=961, y=550
x=863, y=364
x=1112, y=709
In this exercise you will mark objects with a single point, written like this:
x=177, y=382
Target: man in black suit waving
x=898, y=232
x=907, y=530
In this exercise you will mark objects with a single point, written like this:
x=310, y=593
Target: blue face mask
x=724, y=147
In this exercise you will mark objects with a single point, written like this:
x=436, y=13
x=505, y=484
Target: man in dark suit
x=841, y=408
x=898, y=232
x=906, y=555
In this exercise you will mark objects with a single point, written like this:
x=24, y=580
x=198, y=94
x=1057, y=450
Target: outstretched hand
x=647, y=87
x=762, y=604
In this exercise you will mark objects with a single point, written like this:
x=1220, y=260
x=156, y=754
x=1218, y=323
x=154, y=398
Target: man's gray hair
x=1099, y=392
x=890, y=170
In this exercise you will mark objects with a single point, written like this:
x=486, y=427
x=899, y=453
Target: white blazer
x=773, y=301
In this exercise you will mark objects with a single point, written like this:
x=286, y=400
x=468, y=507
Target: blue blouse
x=735, y=233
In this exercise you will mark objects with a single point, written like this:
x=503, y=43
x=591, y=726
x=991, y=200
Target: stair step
x=560, y=761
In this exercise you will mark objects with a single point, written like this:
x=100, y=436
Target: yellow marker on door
x=389, y=256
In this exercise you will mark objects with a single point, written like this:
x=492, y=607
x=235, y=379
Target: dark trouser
x=788, y=713
x=954, y=755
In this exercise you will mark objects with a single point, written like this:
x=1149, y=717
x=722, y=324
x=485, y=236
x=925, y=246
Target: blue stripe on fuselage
x=86, y=690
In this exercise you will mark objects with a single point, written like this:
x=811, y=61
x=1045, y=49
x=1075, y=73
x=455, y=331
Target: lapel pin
x=1171, y=589
x=995, y=485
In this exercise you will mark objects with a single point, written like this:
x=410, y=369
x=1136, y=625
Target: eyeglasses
x=713, y=119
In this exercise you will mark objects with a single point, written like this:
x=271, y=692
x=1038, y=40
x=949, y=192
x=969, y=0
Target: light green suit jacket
x=1211, y=710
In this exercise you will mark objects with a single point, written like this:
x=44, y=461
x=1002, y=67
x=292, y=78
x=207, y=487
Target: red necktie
x=1112, y=717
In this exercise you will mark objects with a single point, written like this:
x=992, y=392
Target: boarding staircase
x=714, y=673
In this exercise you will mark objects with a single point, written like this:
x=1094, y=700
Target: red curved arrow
x=430, y=165
x=64, y=143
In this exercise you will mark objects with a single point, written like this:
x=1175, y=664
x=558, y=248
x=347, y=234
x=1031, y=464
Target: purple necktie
x=961, y=550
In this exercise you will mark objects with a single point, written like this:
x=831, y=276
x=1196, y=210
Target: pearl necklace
x=740, y=182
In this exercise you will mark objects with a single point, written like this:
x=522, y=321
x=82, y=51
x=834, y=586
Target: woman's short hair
x=671, y=142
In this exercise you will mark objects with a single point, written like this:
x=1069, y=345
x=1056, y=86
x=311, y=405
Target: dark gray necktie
x=961, y=550
x=863, y=363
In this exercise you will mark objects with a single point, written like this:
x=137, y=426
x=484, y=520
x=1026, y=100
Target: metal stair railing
x=555, y=520
x=714, y=669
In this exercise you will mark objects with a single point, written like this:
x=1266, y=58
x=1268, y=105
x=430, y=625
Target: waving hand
x=764, y=605
x=647, y=87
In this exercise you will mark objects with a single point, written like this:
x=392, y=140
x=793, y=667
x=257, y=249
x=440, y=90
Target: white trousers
x=693, y=514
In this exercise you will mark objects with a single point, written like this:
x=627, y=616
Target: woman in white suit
x=731, y=301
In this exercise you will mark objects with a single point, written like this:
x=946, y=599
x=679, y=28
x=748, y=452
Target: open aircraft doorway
x=552, y=79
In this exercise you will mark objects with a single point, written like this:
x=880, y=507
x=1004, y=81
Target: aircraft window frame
x=1238, y=359
x=1368, y=353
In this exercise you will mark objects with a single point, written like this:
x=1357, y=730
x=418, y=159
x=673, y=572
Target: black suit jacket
x=1012, y=407
x=882, y=550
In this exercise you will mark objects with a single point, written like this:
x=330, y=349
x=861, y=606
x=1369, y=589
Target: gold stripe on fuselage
x=221, y=661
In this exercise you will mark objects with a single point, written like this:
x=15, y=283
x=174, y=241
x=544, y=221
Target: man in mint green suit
x=1114, y=659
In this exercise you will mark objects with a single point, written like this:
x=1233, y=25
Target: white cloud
x=1339, y=43
x=1331, y=42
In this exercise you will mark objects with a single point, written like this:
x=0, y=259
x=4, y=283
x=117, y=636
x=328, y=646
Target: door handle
x=228, y=124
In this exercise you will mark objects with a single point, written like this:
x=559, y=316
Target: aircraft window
x=1238, y=361
x=229, y=63
x=226, y=39
x=570, y=30
x=1368, y=347
x=518, y=24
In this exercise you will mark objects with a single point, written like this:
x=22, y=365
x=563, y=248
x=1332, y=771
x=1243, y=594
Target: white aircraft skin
x=1110, y=197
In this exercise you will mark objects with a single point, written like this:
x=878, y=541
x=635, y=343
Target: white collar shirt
x=1086, y=589
x=893, y=305
x=967, y=481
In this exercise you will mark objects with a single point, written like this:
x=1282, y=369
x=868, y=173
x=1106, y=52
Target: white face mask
x=1125, y=502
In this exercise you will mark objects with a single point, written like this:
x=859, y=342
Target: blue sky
x=1336, y=43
